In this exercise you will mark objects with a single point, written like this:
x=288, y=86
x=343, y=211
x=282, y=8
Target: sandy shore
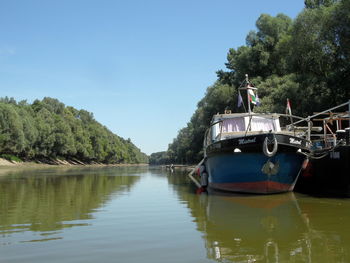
x=7, y=166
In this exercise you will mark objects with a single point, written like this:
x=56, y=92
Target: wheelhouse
x=226, y=126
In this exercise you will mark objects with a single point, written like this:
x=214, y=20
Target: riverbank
x=8, y=166
x=53, y=162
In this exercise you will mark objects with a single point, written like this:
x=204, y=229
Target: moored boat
x=327, y=168
x=253, y=153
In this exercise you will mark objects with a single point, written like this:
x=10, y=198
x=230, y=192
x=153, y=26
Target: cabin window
x=262, y=124
x=233, y=125
x=240, y=124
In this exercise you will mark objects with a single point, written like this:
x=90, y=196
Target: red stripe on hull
x=264, y=187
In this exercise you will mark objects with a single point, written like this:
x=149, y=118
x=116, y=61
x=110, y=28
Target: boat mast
x=248, y=87
x=247, y=83
x=349, y=112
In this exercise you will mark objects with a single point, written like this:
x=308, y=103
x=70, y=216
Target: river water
x=145, y=214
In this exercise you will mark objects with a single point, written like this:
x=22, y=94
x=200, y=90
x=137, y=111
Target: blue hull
x=254, y=172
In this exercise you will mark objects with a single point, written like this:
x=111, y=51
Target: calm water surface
x=148, y=215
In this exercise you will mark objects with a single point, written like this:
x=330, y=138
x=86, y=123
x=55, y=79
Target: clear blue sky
x=140, y=66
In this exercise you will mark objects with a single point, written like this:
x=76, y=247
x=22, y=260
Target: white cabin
x=235, y=125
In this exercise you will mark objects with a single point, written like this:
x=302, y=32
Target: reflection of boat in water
x=269, y=228
x=252, y=228
x=273, y=229
x=328, y=228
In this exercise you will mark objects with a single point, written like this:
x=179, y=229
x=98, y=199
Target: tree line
x=48, y=129
x=306, y=60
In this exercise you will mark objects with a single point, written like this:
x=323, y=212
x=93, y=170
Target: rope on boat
x=193, y=170
x=311, y=156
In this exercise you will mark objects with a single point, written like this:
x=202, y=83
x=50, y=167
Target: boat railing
x=335, y=127
x=289, y=127
x=327, y=111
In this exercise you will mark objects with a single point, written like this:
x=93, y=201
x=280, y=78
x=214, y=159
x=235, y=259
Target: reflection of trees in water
x=180, y=182
x=160, y=171
x=46, y=200
x=328, y=224
x=268, y=228
x=73, y=170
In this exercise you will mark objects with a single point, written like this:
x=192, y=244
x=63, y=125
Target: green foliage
x=261, y=56
x=187, y=147
x=306, y=60
x=159, y=158
x=10, y=157
x=49, y=129
x=318, y=3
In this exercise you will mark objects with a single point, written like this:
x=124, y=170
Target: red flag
x=288, y=108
